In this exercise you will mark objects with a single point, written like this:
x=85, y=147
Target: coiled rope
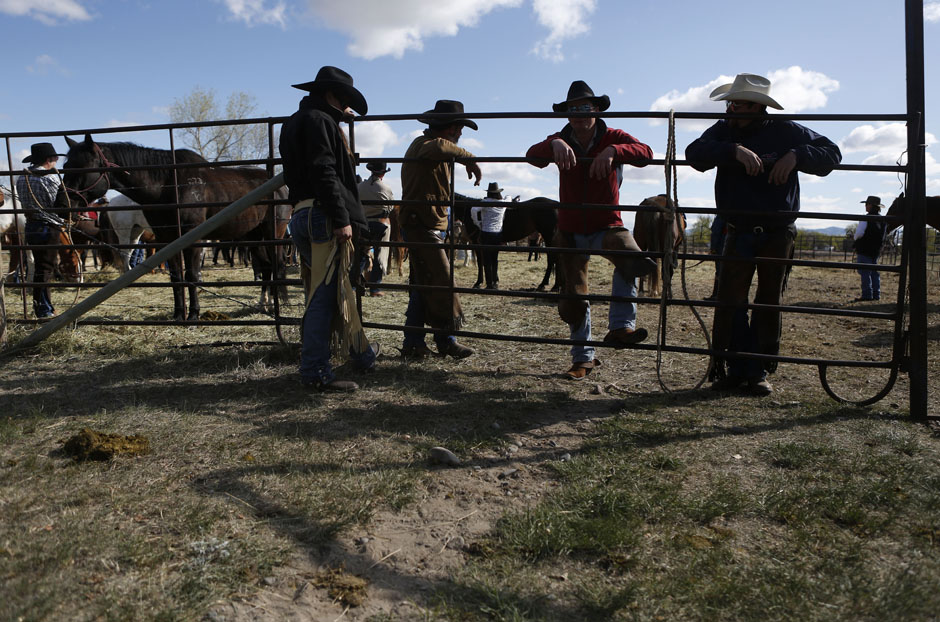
x=669, y=262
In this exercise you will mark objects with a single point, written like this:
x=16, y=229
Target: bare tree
x=221, y=142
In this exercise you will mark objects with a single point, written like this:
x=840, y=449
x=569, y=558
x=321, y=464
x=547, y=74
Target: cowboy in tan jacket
x=426, y=176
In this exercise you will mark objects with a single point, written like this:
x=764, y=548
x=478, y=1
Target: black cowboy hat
x=451, y=107
x=341, y=83
x=378, y=167
x=580, y=90
x=873, y=200
x=40, y=152
x=494, y=188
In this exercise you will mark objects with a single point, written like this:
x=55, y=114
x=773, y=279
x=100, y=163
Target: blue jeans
x=376, y=231
x=414, y=316
x=871, y=279
x=621, y=314
x=308, y=226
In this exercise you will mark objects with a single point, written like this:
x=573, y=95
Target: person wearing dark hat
x=590, y=156
x=375, y=189
x=869, y=238
x=38, y=189
x=757, y=190
x=425, y=179
x=327, y=218
x=489, y=219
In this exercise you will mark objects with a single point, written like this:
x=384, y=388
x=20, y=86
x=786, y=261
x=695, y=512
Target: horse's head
x=896, y=212
x=85, y=186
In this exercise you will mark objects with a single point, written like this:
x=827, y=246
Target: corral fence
x=909, y=343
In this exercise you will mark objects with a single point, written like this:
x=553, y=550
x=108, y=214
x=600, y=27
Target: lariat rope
x=669, y=259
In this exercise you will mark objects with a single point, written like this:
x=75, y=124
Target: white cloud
x=45, y=64
x=383, y=28
x=795, y=88
x=886, y=145
x=253, y=12
x=564, y=19
x=119, y=123
x=471, y=144
x=49, y=12
x=932, y=11
x=373, y=137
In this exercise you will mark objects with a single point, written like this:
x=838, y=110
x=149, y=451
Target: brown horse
x=651, y=233
x=199, y=186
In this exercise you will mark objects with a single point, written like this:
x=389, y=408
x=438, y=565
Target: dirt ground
x=513, y=392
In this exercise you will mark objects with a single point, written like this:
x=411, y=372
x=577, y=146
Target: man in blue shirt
x=757, y=191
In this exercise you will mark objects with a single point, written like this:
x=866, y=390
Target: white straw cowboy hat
x=746, y=87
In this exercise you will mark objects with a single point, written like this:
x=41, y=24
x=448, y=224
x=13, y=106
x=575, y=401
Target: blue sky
x=73, y=64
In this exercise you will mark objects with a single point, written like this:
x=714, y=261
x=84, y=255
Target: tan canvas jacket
x=429, y=180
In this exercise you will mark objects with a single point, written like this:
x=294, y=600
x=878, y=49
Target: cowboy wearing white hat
x=321, y=176
x=590, y=156
x=757, y=191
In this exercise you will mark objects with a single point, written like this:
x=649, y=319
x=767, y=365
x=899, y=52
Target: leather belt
x=302, y=205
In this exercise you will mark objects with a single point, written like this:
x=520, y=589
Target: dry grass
x=668, y=506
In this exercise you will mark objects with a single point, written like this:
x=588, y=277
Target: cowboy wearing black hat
x=489, y=219
x=375, y=189
x=590, y=156
x=869, y=238
x=425, y=177
x=320, y=173
x=38, y=190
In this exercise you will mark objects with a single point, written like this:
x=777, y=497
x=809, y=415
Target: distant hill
x=829, y=230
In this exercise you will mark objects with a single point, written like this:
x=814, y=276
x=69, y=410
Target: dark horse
x=538, y=214
x=898, y=209
x=199, y=185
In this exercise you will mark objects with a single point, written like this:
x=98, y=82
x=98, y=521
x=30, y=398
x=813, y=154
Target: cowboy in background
x=594, y=182
x=489, y=219
x=425, y=178
x=375, y=189
x=37, y=190
x=327, y=217
x=757, y=190
x=869, y=238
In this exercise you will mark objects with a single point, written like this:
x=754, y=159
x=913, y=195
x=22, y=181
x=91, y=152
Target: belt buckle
x=758, y=230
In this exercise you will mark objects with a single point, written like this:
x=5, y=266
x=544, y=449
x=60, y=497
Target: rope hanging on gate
x=669, y=262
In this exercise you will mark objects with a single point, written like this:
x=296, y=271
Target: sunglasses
x=581, y=108
x=742, y=105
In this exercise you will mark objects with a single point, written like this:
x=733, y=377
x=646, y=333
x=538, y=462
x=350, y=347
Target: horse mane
x=132, y=154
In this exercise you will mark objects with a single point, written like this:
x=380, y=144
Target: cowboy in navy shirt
x=757, y=191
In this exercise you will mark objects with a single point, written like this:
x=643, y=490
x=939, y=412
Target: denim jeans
x=308, y=226
x=40, y=233
x=620, y=315
x=871, y=279
x=376, y=232
x=414, y=316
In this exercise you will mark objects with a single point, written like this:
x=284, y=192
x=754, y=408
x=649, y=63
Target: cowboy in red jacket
x=589, y=156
